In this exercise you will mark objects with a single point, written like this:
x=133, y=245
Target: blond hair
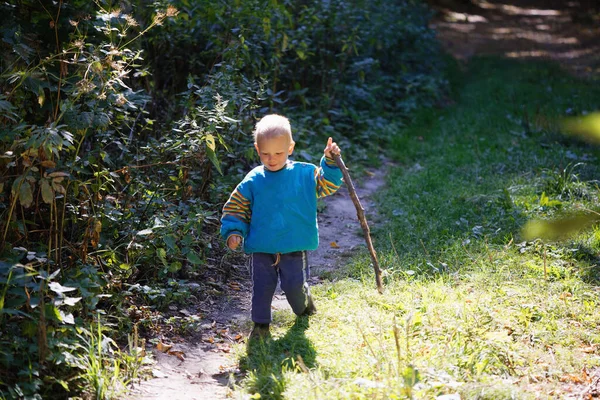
x=271, y=126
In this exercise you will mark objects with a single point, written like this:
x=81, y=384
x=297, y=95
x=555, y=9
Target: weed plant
x=470, y=307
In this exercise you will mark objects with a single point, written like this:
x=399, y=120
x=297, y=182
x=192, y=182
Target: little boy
x=274, y=211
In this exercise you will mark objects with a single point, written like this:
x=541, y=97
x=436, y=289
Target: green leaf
x=284, y=43
x=10, y=311
x=52, y=313
x=170, y=241
x=175, y=266
x=411, y=376
x=545, y=201
x=47, y=191
x=213, y=158
x=25, y=194
x=194, y=258
x=62, y=383
x=162, y=255
x=29, y=329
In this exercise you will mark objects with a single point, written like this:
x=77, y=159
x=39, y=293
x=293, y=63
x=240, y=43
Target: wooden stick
x=360, y=213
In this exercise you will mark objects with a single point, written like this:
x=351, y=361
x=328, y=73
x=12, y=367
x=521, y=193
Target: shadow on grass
x=268, y=359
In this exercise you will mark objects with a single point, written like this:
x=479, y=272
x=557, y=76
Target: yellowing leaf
x=58, y=187
x=25, y=194
x=587, y=127
x=178, y=354
x=559, y=228
x=162, y=255
x=334, y=245
x=212, y=156
x=163, y=348
x=210, y=141
x=267, y=26
x=41, y=97
x=589, y=349
x=564, y=295
x=125, y=266
x=224, y=348
x=574, y=378
x=58, y=174
x=498, y=336
x=47, y=192
x=48, y=164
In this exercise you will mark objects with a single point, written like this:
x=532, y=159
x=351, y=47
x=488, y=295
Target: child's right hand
x=234, y=241
x=332, y=149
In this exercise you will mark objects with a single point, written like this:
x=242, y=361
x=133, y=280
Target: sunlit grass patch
x=454, y=331
x=495, y=329
x=471, y=307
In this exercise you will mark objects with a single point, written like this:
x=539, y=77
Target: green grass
x=470, y=307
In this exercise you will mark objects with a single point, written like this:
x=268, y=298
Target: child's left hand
x=332, y=149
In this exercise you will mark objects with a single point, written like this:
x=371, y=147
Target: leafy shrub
x=124, y=129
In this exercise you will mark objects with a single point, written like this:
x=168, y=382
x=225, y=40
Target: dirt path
x=567, y=32
x=199, y=367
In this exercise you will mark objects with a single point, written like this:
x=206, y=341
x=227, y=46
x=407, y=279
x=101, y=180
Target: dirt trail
x=567, y=32
x=204, y=373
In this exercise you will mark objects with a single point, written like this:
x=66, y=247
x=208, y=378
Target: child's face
x=274, y=152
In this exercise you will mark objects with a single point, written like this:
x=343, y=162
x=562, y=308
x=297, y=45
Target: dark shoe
x=260, y=331
x=310, y=308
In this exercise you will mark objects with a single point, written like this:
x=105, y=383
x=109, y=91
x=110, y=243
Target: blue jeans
x=291, y=269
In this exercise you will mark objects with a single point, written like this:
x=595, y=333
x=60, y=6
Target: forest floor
x=198, y=366
x=565, y=32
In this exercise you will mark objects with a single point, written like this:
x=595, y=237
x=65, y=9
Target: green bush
x=124, y=129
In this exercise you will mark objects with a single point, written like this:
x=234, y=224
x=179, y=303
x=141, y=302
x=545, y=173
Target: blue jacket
x=276, y=212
